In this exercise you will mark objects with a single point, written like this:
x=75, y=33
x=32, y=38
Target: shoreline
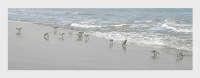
x=29, y=51
x=118, y=42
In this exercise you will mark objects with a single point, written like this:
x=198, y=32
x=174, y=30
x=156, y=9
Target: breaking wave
x=177, y=28
x=147, y=39
x=78, y=13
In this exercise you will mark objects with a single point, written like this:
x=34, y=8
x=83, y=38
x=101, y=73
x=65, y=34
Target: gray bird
x=46, y=36
x=80, y=34
x=62, y=34
x=87, y=36
x=124, y=43
x=179, y=54
x=111, y=41
x=156, y=53
x=19, y=29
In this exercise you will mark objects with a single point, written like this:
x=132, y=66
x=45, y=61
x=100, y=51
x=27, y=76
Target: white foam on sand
x=29, y=50
x=84, y=25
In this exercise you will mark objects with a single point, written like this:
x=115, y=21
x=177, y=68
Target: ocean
x=151, y=27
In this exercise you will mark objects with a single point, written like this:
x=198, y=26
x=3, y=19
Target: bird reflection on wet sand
x=86, y=40
x=111, y=45
x=155, y=57
x=79, y=39
x=124, y=48
x=18, y=33
x=179, y=59
x=45, y=38
x=61, y=39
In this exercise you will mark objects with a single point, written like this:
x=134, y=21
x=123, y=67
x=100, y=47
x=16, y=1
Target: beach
x=28, y=50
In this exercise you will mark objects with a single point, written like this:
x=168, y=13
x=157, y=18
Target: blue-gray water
x=146, y=27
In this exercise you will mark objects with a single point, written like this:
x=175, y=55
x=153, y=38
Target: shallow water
x=146, y=27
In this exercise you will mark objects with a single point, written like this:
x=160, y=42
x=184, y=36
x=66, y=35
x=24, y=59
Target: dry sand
x=29, y=50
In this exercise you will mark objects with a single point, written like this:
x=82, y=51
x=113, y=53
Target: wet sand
x=29, y=50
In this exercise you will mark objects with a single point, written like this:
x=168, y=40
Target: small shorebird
x=179, y=55
x=87, y=36
x=19, y=29
x=80, y=34
x=124, y=43
x=155, y=53
x=62, y=34
x=46, y=36
x=111, y=41
x=55, y=30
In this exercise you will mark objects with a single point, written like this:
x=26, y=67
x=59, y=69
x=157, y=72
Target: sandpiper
x=179, y=55
x=156, y=53
x=19, y=29
x=62, y=34
x=80, y=34
x=111, y=41
x=124, y=43
x=46, y=35
x=87, y=36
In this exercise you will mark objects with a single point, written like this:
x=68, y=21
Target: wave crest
x=176, y=29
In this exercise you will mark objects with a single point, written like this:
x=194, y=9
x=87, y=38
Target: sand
x=29, y=50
